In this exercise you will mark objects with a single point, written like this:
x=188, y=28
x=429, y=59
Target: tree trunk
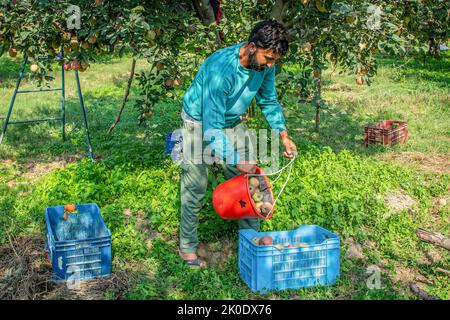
x=433, y=48
x=420, y=293
x=125, y=98
x=433, y=238
x=205, y=11
x=317, y=98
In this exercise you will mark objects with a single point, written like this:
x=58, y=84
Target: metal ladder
x=60, y=56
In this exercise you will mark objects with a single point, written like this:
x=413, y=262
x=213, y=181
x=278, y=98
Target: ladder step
x=39, y=90
x=33, y=120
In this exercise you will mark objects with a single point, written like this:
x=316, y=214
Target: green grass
x=337, y=183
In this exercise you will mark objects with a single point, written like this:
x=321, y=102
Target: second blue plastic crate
x=275, y=267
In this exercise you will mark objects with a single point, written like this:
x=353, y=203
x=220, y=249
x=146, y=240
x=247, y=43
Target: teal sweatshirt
x=222, y=91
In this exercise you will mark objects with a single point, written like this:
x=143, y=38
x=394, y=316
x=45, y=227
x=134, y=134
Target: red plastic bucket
x=232, y=199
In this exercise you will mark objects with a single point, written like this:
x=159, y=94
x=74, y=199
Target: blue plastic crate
x=79, y=247
x=265, y=268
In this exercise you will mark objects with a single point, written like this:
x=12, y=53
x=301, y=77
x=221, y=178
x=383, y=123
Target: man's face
x=259, y=58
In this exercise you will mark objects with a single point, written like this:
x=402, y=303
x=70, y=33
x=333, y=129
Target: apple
x=150, y=35
x=149, y=114
x=316, y=73
x=177, y=82
x=12, y=52
x=75, y=65
x=74, y=43
x=67, y=36
x=320, y=6
x=159, y=66
x=85, y=45
x=258, y=206
x=34, y=68
x=67, y=67
x=266, y=208
x=70, y=208
x=254, y=182
x=266, y=241
x=257, y=196
x=350, y=19
x=360, y=81
x=169, y=83
x=307, y=47
x=92, y=39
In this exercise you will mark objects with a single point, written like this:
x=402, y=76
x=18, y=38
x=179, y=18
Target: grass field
x=373, y=198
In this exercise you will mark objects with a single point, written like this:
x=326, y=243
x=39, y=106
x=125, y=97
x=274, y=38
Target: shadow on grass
x=10, y=69
x=130, y=142
x=338, y=130
x=426, y=68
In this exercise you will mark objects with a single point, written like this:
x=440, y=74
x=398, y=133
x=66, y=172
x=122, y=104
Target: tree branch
x=125, y=98
x=433, y=238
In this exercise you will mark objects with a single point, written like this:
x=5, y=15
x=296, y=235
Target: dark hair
x=270, y=34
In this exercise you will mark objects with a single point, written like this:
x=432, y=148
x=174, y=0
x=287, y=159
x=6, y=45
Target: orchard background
x=350, y=63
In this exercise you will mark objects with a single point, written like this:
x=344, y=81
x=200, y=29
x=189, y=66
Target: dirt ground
x=436, y=163
x=26, y=274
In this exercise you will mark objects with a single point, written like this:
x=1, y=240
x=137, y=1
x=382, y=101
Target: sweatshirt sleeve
x=214, y=97
x=266, y=99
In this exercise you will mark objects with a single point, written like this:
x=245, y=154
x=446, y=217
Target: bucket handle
x=279, y=172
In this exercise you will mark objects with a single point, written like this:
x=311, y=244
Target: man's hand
x=246, y=166
x=290, y=149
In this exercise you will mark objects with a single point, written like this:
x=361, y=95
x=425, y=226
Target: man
x=220, y=94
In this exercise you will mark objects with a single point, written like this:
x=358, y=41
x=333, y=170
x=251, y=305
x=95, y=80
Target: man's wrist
x=284, y=134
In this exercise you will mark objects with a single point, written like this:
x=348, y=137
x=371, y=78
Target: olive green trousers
x=194, y=183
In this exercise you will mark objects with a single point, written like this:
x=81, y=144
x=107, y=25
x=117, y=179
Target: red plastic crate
x=386, y=132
